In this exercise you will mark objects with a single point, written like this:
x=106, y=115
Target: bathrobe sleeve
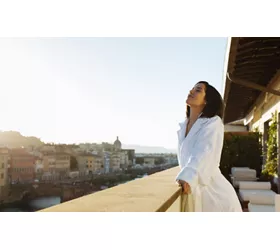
x=205, y=155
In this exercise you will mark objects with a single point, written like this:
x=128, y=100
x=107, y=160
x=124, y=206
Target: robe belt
x=197, y=192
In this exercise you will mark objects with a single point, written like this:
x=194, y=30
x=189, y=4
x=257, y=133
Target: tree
x=272, y=148
x=139, y=160
x=159, y=161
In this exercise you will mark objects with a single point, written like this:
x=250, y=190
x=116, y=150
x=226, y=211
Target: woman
x=199, y=152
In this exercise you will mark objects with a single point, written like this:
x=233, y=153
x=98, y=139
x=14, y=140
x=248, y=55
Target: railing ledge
x=154, y=193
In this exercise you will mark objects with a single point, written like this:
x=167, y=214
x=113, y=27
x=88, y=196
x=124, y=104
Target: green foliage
x=139, y=160
x=241, y=150
x=159, y=161
x=272, y=148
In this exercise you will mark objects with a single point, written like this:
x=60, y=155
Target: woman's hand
x=186, y=187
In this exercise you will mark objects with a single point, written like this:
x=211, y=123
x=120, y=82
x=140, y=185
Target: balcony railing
x=155, y=193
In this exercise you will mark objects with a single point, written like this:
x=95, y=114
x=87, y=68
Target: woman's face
x=196, y=97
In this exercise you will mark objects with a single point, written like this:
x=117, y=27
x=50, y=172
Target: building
x=22, y=167
x=86, y=147
x=39, y=167
x=107, y=147
x=47, y=148
x=124, y=159
x=115, y=162
x=106, y=161
x=62, y=163
x=131, y=156
x=4, y=165
x=105, y=157
x=149, y=161
x=85, y=163
x=98, y=163
x=57, y=164
x=171, y=159
x=49, y=162
x=252, y=83
x=117, y=145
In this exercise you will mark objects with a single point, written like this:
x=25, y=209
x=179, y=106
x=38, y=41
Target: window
x=2, y=164
x=2, y=176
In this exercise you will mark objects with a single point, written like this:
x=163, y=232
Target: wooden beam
x=229, y=67
x=252, y=85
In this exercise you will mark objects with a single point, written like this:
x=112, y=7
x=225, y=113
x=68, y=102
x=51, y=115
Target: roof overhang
x=250, y=66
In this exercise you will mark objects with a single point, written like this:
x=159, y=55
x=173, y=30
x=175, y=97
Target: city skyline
x=76, y=90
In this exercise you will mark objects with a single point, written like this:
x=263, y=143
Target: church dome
x=117, y=144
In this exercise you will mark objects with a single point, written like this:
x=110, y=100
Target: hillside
x=15, y=139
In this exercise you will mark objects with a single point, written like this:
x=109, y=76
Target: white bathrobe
x=199, y=157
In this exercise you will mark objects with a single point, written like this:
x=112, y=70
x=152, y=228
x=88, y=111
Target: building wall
x=62, y=163
x=264, y=107
x=85, y=163
x=124, y=159
x=48, y=148
x=4, y=164
x=131, y=156
x=22, y=166
x=97, y=163
x=39, y=168
x=106, y=157
x=49, y=162
x=115, y=161
x=149, y=161
x=56, y=163
x=261, y=114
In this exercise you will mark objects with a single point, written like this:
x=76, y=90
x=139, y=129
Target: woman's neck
x=194, y=114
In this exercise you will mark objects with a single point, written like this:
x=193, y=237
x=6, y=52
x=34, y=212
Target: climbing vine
x=272, y=148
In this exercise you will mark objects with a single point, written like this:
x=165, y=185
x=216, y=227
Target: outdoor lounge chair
x=242, y=174
x=277, y=203
x=249, y=189
x=260, y=202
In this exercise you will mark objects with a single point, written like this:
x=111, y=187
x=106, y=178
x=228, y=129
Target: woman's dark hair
x=214, y=103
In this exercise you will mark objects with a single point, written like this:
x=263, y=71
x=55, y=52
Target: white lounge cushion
x=255, y=185
x=263, y=199
x=245, y=173
x=244, y=178
x=277, y=203
x=235, y=169
x=235, y=181
x=245, y=194
x=260, y=208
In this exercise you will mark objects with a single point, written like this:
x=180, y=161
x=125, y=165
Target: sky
x=74, y=90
